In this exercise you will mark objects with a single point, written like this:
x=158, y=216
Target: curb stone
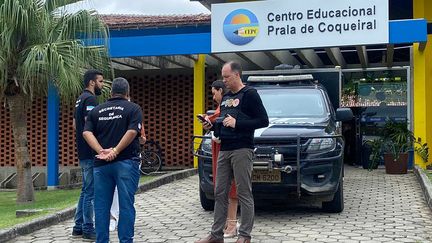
x=425, y=184
x=51, y=219
x=165, y=179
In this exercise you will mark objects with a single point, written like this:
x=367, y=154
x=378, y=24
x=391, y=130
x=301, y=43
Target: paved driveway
x=378, y=208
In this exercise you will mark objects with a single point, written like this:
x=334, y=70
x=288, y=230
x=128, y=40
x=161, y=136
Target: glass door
x=375, y=96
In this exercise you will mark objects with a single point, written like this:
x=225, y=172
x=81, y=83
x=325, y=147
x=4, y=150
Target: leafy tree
x=41, y=43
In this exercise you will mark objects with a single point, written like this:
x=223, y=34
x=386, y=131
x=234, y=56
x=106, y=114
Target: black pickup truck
x=300, y=154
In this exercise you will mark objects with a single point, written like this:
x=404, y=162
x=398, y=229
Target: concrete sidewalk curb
x=48, y=220
x=425, y=183
x=165, y=179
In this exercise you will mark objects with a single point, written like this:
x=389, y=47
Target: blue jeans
x=125, y=175
x=84, y=211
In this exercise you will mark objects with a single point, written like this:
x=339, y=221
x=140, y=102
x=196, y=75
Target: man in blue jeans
x=93, y=81
x=113, y=130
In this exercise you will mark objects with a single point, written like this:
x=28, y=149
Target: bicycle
x=151, y=160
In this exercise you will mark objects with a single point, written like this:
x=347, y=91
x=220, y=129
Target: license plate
x=265, y=176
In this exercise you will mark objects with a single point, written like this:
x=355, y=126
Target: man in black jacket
x=242, y=112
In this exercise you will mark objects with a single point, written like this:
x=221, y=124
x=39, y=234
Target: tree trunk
x=18, y=119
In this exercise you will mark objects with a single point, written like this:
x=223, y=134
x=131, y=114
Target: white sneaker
x=113, y=225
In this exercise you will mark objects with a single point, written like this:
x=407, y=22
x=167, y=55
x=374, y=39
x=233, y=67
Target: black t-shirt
x=110, y=121
x=252, y=108
x=84, y=104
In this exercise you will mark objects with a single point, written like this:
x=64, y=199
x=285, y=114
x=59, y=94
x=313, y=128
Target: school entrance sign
x=281, y=24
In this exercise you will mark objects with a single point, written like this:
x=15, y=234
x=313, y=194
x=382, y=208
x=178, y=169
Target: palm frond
x=82, y=24
x=14, y=14
x=17, y=19
x=39, y=44
x=61, y=62
x=52, y=5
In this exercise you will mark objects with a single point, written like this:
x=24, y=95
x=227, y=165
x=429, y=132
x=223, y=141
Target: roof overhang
x=165, y=42
x=176, y=47
x=208, y=3
x=197, y=40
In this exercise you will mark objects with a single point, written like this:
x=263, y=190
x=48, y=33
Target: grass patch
x=429, y=174
x=146, y=178
x=49, y=201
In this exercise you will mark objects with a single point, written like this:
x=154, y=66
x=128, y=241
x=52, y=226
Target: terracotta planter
x=400, y=166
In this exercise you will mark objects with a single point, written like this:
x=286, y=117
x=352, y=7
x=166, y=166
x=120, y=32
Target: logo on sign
x=240, y=27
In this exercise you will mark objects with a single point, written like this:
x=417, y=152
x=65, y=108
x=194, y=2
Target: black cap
x=120, y=86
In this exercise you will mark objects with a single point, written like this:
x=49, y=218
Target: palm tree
x=41, y=43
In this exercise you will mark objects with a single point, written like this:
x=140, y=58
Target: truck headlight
x=319, y=144
x=206, y=146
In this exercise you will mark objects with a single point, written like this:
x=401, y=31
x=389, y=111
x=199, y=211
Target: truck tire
x=206, y=204
x=337, y=204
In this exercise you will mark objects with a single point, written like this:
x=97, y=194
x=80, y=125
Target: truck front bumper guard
x=274, y=159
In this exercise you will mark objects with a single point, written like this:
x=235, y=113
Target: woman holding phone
x=218, y=90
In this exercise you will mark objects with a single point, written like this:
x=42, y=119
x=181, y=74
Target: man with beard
x=93, y=81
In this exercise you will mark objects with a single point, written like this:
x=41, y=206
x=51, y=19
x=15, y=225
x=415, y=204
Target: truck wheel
x=337, y=204
x=206, y=204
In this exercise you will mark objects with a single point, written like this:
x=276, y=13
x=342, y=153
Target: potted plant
x=398, y=140
x=396, y=143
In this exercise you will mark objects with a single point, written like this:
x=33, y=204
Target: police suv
x=300, y=154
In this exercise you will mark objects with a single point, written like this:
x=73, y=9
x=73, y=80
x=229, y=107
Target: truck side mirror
x=344, y=114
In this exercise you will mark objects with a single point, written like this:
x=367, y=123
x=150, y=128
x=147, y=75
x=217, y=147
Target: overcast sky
x=147, y=7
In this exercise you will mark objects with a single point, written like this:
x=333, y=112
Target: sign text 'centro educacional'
x=282, y=24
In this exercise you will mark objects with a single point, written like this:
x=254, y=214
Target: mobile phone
x=201, y=118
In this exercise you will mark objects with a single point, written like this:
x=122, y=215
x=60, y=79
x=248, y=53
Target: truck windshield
x=293, y=103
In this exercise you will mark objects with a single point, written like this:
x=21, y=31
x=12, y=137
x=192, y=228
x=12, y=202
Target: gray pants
x=235, y=164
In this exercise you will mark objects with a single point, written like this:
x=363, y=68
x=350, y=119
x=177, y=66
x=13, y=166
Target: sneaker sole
x=88, y=240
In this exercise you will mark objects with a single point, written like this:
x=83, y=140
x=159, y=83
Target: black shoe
x=77, y=232
x=89, y=236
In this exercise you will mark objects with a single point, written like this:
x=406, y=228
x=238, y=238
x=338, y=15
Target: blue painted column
x=53, y=136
